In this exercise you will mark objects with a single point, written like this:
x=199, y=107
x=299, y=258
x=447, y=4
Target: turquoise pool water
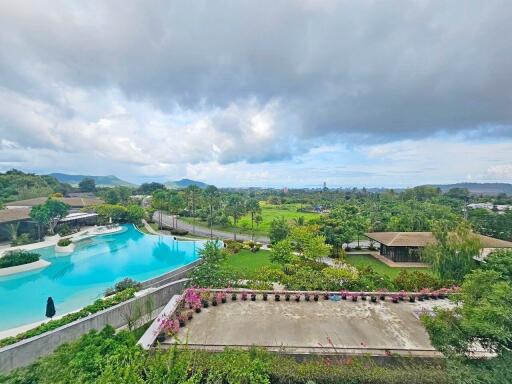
x=81, y=277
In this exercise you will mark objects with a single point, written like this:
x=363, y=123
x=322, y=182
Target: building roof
x=12, y=215
x=77, y=216
x=403, y=239
x=422, y=239
x=72, y=201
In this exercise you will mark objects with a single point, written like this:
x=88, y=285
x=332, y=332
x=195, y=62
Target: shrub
x=233, y=246
x=416, y=280
x=179, y=232
x=22, y=239
x=14, y=258
x=64, y=230
x=122, y=285
x=64, y=242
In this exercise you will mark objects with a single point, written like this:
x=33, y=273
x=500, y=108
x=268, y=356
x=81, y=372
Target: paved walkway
x=205, y=232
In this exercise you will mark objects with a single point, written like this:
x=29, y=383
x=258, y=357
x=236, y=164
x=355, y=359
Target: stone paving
x=361, y=325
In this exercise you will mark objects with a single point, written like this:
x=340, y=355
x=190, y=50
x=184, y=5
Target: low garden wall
x=124, y=314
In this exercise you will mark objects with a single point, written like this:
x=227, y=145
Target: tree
x=308, y=243
x=149, y=188
x=253, y=207
x=49, y=214
x=452, y=257
x=134, y=213
x=235, y=208
x=209, y=273
x=501, y=262
x=160, y=202
x=211, y=194
x=282, y=252
x=485, y=316
x=279, y=229
x=111, y=196
x=87, y=185
x=193, y=193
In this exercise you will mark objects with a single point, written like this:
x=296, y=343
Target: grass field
x=245, y=263
x=379, y=266
x=268, y=213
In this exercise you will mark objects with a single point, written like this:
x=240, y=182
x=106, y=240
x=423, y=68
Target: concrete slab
x=312, y=325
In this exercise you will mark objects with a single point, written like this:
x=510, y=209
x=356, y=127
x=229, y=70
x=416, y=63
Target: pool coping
x=39, y=264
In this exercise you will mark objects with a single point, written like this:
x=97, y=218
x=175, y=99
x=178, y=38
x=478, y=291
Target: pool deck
x=313, y=327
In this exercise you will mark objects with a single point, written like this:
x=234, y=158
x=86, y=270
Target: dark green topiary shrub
x=64, y=242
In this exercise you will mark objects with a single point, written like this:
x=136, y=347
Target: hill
x=184, y=183
x=101, y=181
x=18, y=185
x=480, y=188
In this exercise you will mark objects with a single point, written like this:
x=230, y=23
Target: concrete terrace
x=344, y=327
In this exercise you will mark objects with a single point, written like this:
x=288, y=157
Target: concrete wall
x=27, y=351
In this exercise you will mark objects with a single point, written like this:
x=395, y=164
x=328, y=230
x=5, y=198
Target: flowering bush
x=192, y=298
x=168, y=325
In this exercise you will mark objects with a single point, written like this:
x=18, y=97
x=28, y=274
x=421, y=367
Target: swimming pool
x=77, y=279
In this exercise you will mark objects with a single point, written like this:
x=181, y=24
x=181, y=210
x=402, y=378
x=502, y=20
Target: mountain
x=184, y=183
x=101, y=181
x=480, y=188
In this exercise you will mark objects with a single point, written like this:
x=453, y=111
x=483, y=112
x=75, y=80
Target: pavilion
x=407, y=246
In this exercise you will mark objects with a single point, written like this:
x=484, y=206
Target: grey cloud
x=364, y=69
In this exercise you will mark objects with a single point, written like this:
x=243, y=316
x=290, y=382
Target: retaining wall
x=27, y=351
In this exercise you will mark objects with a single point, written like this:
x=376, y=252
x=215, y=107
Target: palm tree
x=253, y=206
x=193, y=193
x=235, y=208
x=12, y=230
x=211, y=193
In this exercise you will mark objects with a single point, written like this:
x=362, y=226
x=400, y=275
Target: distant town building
x=500, y=208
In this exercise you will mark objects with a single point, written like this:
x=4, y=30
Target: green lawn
x=379, y=266
x=246, y=263
x=268, y=213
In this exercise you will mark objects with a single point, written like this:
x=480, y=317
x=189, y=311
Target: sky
x=259, y=93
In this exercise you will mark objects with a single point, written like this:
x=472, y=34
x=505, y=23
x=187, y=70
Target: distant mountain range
x=480, y=188
x=101, y=181
x=184, y=183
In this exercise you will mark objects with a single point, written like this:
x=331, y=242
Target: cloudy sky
x=262, y=93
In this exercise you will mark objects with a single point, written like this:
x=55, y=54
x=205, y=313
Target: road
x=205, y=232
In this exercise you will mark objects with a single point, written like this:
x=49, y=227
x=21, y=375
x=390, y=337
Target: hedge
x=14, y=258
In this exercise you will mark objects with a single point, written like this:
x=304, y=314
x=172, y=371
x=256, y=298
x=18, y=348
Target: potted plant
x=214, y=301
x=265, y=296
x=315, y=297
x=412, y=298
x=306, y=296
x=287, y=297
x=401, y=295
x=277, y=297
x=205, y=303
x=343, y=295
x=161, y=337
x=382, y=296
x=197, y=308
x=363, y=297
x=326, y=296
x=244, y=296
x=182, y=318
x=395, y=299
x=297, y=297
x=190, y=315
x=233, y=296
x=373, y=298
x=354, y=297
x=221, y=297
x=253, y=296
